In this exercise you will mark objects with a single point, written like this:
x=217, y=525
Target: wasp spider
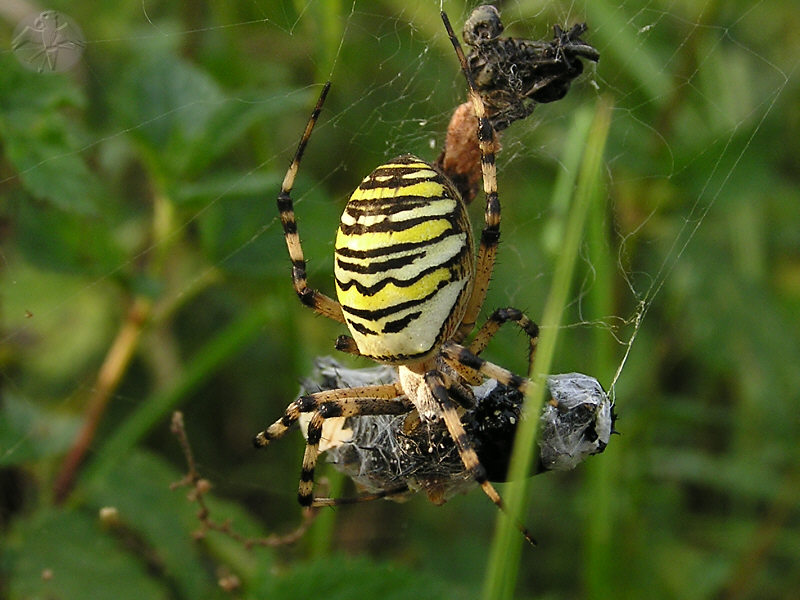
x=410, y=291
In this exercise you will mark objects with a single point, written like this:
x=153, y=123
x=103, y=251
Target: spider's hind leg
x=489, y=329
x=312, y=402
x=497, y=319
x=366, y=497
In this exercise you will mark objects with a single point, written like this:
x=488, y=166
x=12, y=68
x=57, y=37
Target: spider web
x=665, y=186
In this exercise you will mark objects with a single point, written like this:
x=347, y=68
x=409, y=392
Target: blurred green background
x=142, y=269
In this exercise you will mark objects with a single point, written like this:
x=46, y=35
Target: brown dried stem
x=200, y=487
x=108, y=378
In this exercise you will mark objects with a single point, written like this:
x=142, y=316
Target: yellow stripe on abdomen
x=391, y=292
x=403, y=261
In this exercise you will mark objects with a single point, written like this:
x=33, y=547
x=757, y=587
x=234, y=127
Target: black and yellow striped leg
x=490, y=236
x=310, y=297
x=464, y=445
x=311, y=403
x=459, y=355
x=499, y=318
x=342, y=407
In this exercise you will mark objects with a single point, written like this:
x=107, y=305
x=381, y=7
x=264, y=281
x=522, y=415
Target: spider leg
x=464, y=445
x=499, y=318
x=490, y=236
x=321, y=303
x=342, y=407
x=456, y=353
x=312, y=402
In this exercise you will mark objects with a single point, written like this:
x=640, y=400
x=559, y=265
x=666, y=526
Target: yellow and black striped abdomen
x=404, y=261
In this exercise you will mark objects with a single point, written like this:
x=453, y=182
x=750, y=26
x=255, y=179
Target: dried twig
x=113, y=368
x=201, y=486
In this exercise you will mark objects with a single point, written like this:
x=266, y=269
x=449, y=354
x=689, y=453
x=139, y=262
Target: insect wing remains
x=512, y=75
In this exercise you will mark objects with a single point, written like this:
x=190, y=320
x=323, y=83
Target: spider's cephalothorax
x=404, y=261
x=410, y=294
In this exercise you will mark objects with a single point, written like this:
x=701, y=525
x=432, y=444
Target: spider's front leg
x=310, y=297
x=490, y=236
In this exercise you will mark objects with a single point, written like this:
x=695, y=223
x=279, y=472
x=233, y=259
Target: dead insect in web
x=394, y=456
x=512, y=75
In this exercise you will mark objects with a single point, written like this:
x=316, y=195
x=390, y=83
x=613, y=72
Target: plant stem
x=108, y=378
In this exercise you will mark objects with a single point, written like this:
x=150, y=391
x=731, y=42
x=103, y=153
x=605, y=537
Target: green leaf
x=183, y=118
x=66, y=554
x=228, y=121
x=341, y=578
x=233, y=228
x=139, y=488
x=67, y=242
x=59, y=326
x=41, y=142
x=219, y=186
x=166, y=104
x=181, y=115
x=28, y=432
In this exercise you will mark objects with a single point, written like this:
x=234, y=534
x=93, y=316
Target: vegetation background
x=142, y=270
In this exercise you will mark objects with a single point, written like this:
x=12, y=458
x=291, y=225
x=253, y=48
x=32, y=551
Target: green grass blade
x=506, y=547
x=600, y=474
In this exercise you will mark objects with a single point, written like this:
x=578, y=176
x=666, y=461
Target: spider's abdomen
x=404, y=261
